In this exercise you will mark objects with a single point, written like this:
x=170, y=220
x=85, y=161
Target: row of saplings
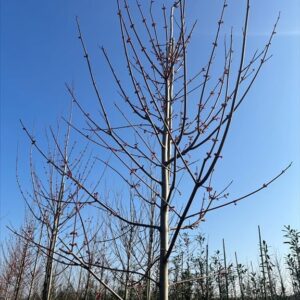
x=195, y=273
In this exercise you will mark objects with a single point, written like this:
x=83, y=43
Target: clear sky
x=40, y=51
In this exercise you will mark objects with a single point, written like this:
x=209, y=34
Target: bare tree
x=18, y=268
x=54, y=200
x=165, y=138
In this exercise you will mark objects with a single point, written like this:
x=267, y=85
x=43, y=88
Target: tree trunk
x=35, y=265
x=49, y=262
x=165, y=188
x=21, y=271
x=54, y=234
x=164, y=236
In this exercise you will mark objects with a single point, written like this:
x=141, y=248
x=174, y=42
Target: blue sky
x=40, y=51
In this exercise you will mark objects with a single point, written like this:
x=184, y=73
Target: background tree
x=55, y=201
x=292, y=237
x=18, y=264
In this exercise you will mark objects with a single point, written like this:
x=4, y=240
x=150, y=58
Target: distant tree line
x=196, y=272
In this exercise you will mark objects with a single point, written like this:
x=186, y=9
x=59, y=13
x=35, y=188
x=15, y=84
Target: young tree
x=166, y=141
x=18, y=269
x=55, y=201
